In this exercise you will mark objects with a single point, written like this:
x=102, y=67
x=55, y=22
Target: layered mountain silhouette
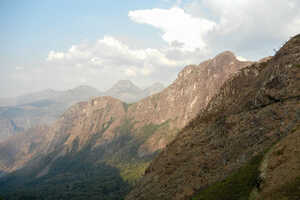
x=243, y=145
x=43, y=108
x=64, y=161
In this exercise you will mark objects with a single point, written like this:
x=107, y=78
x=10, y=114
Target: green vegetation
x=237, y=186
x=126, y=156
x=126, y=146
x=132, y=172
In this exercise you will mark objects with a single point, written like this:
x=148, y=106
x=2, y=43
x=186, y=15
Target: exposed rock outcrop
x=255, y=108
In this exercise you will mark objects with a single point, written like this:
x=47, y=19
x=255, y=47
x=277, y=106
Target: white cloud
x=176, y=25
x=55, y=56
x=108, y=60
x=250, y=28
x=112, y=53
x=241, y=58
x=191, y=32
x=130, y=72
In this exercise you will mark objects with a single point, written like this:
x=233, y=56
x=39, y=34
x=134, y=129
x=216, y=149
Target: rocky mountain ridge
x=43, y=108
x=105, y=130
x=215, y=155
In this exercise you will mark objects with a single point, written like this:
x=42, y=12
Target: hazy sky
x=61, y=44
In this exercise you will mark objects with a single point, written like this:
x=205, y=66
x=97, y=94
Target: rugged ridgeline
x=97, y=147
x=43, y=108
x=228, y=151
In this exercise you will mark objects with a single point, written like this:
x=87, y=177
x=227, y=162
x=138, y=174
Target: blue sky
x=63, y=44
x=30, y=29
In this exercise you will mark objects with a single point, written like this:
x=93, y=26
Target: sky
x=61, y=44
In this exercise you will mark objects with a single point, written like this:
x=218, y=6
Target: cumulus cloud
x=110, y=52
x=250, y=28
x=177, y=26
x=107, y=60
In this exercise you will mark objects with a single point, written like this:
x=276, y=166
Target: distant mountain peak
x=124, y=85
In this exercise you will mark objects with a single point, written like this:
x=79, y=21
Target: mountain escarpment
x=105, y=133
x=219, y=154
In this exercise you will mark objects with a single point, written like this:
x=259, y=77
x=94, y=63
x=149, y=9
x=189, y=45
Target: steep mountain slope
x=280, y=170
x=256, y=108
x=107, y=132
x=17, y=150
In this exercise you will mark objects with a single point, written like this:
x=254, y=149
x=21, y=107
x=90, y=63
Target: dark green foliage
x=236, y=186
x=71, y=177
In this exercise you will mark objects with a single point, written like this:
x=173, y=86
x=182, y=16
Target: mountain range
x=106, y=133
x=224, y=129
x=43, y=108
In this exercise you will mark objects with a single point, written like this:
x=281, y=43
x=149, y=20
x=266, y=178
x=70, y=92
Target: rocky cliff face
x=255, y=108
x=125, y=136
x=182, y=100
